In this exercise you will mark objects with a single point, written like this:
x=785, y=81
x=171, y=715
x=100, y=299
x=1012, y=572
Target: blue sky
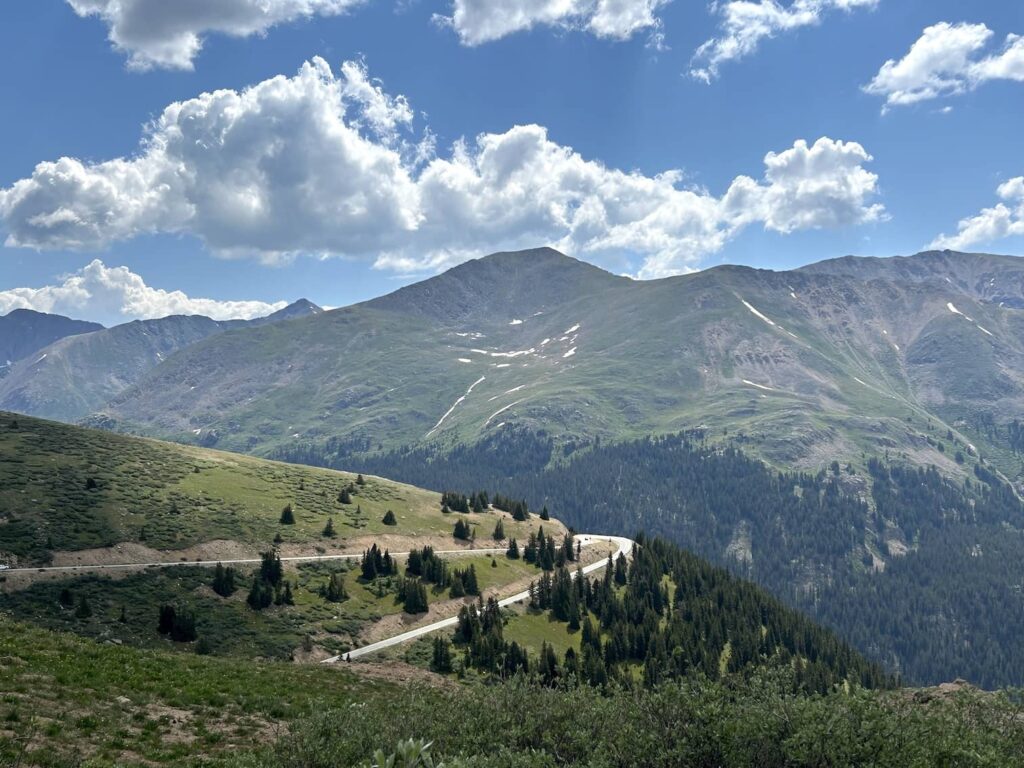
x=943, y=138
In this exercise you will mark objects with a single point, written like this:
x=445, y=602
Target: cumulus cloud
x=116, y=294
x=329, y=165
x=746, y=23
x=1005, y=219
x=169, y=33
x=946, y=61
x=481, y=21
x=290, y=165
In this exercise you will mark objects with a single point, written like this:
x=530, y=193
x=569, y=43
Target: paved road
x=625, y=547
x=240, y=561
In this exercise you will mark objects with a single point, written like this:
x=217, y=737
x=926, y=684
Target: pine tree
x=183, y=629
x=261, y=594
x=415, y=597
x=166, y=621
x=223, y=580
x=329, y=532
x=271, y=568
x=287, y=516
x=90, y=484
x=83, y=610
x=462, y=530
x=389, y=518
x=360, y=480
x=334, y=591
x=544, y=514
x=499, y=531
x=513, y=550
x=345, y=497
x=620, y=570
x=442, y=659
x=548, y=664
x=469, y=579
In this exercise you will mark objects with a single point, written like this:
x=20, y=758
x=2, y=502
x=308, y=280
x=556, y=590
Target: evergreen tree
x=620, y=569
x=360, y=480
x=345, y=497
x=224, y=580
x=415, y=596
x=328, y=531
x=548, y=666
x=287, y=516
x=165, y=623
x=334, y=591
x=271, y=568
x=442, y=658
x=462, y=530
x=513, y=550
x=184, y=627
x=544, y=514
x=389, y=518
x=83, y=610
x=499, y=531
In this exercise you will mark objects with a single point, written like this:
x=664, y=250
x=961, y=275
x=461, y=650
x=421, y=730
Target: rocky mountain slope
x=76, y=375
x=840, y=361
x=24, y=331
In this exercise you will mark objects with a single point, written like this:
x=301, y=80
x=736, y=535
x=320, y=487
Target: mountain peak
x=300, y=308
x=504, y=283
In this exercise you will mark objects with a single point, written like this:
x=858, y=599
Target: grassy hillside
x=87, y=498
x=66, y=700
x=65, y=489
x=70, y=702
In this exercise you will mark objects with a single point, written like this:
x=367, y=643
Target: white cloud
x=289, y=165
x=746, y=23
x=169, y=33
x=1005, y=219
x=325, y=164
x=945, y=61
x=481, y=21
x=116, y=294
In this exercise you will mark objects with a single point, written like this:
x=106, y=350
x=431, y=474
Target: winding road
x=238, y=561
x=625, y=547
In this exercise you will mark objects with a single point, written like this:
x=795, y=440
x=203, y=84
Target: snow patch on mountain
x=454, y=406
x=757, y=313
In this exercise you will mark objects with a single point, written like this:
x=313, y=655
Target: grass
x=533, y=628
x=66, y=699
x=65, y=488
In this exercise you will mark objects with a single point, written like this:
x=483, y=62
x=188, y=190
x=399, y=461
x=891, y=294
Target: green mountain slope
x=65, y=490
x=918, y=570
x=70, y=701
x=805, y=367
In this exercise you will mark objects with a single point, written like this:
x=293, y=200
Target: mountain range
x=841, y=384
x=71, y=375
x=841, y=360
x=24, y=331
